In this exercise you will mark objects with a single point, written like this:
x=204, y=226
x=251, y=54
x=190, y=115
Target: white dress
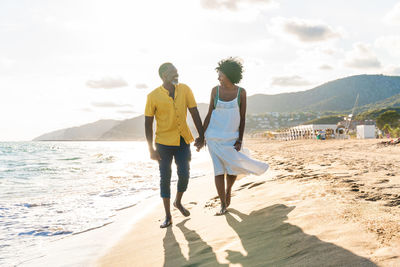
x=221, y=134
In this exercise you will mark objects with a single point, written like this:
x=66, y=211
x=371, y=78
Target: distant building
x=366, y=131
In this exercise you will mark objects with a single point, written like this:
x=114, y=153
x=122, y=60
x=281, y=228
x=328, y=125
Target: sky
x=68, y=63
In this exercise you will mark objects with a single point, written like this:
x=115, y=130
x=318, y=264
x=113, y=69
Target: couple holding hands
x=222, y=130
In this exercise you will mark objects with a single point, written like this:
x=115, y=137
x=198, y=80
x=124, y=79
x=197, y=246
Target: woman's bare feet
x=228, y=198
x=222, y=211
x=166, y=223
x=182, y=209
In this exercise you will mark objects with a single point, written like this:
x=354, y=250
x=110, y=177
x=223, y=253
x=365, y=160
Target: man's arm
x=199, y=127
x=148, y=125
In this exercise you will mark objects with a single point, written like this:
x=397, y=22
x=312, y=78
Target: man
x=169, y=104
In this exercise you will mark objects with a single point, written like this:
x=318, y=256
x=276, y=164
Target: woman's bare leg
x=220, y=185
x=230, y=180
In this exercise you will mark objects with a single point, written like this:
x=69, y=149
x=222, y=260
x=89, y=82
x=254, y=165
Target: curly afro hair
x=232, y=68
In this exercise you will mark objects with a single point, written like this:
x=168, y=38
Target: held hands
x=199, y=143
x=238, y=145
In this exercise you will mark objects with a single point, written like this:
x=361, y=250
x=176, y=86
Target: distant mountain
x=130, y=129
x=110, y=130
x=89, y=132
x=336, y=95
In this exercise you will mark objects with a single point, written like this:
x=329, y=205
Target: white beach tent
x=298, y=132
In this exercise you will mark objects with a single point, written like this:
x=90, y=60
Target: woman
x=224, y=129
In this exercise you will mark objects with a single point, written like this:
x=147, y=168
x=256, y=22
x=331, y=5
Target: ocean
x=50, y=190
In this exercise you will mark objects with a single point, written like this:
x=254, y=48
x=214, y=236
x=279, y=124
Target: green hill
x=337, y=95
x=374, y=114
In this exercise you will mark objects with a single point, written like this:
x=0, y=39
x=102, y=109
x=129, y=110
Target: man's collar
x=165, y=90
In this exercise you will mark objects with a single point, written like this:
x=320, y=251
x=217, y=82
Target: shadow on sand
x=200, y=253
x=268, y=241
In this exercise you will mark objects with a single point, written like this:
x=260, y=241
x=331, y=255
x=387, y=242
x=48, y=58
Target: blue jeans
x=182, y=157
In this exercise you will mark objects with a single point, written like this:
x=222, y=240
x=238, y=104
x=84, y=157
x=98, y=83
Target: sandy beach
x=322, y=203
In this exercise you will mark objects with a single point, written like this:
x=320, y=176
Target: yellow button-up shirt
x=171, y=114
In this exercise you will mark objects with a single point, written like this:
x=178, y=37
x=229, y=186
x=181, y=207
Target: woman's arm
x=210, y=109
x=243, y=105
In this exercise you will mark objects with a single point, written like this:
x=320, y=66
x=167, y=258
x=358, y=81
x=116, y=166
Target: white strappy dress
x=221, y=135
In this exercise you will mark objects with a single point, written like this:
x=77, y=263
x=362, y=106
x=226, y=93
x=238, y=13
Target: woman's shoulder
x=241, y=89
x=214, y=90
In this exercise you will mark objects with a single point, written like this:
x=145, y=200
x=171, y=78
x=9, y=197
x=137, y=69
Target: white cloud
x=87, y=109
x=306, y=31
x=362, y=57
x=392, y=70
x=393, y=16
x=390, y=43
x=310, y=60
x=234, y=5
x=107, y=83
x=329, y=51
x=325, y=67
x=141, y=86
x=294, y=80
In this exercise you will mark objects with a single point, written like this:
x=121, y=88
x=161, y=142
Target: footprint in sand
x=256, y=184
x=246, y=184
x=382, y=181
x=364, y=195
x=355, y=188
x=212, y=203
x=374, y=198
x=395, y=201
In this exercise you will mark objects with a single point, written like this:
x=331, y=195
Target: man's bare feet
x=222, y=211
x=182, y=209
x=166, y=223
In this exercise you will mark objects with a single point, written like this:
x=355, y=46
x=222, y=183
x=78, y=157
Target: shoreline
x=85, y=247
x=80, y=249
